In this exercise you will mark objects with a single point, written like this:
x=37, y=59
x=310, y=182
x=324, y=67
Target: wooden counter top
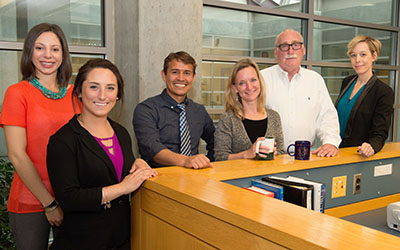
x=226, y=170
x=203, y=205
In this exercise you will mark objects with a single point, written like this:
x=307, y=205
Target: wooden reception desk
x=193, y=209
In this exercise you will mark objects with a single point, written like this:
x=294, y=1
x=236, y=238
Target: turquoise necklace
x=47, y=92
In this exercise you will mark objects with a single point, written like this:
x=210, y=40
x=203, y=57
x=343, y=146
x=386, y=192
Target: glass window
x=330, y=42
x=214, y=79
x=78, y=60
x=262, y=66
x=9, y=70
x=241, y=33
x=80, y=20
x=372, y=11
x=292, y=5
x=334, y=76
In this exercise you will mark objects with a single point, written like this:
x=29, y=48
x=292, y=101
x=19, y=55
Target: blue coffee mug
x=301, y=150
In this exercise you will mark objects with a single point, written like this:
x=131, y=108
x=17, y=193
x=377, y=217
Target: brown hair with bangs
x=85, y=70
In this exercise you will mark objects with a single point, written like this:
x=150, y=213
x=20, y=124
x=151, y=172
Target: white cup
x=267, y=142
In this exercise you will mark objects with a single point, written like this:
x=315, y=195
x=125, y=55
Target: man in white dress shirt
x=300, y=97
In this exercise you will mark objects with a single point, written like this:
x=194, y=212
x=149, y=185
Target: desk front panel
x=200, y=211
x=371, y=187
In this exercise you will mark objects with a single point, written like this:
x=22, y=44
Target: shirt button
x=120, y=202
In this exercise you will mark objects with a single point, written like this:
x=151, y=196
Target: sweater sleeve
x=275, y=130
x=223, y=138
x=208, y=134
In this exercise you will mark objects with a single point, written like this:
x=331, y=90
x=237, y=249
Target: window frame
x=107, y=50
x=308, y=19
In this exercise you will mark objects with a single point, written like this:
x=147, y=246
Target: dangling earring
x=117, y=98
x=238, y=98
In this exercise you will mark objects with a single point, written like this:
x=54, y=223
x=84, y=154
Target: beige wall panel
x=166, y=26
x=146, y=31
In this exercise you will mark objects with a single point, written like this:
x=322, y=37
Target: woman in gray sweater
x=246, y=119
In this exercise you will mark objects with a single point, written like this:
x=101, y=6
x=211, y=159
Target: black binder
x=294, y=192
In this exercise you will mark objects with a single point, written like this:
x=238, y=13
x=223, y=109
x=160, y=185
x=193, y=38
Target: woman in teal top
x=345, y=105
x=365, y=104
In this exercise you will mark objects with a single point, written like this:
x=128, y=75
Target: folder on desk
x=294, y=192
x=318, y=194
x=276, y=189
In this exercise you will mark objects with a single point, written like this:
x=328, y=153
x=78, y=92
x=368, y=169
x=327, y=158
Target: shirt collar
x=171, y=101
x=284, y=74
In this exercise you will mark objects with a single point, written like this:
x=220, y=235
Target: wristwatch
x=50, y=207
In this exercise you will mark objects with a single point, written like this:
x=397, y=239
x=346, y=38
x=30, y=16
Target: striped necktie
x=184, y=131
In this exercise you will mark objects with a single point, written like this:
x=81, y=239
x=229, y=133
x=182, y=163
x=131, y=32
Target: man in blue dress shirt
x=159, y=124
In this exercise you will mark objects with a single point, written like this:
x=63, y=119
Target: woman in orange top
x=34, y=109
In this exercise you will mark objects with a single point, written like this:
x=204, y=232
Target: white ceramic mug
x=268, y=142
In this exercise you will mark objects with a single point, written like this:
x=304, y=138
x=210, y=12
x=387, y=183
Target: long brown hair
x=28, y=70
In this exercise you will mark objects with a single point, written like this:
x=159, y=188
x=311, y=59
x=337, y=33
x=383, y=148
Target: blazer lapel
x=364, y=92
x=90, y=142
x=357, y=104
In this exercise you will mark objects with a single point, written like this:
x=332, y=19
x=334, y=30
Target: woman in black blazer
x=365, y=104
x=92, y=168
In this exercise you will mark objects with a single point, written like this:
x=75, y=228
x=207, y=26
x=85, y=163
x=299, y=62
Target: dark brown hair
x=179, y=56
x=64, y=72
x=94, y=64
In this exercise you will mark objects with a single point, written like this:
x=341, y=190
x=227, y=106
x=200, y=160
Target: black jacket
x=370, y=118
x=78, y=168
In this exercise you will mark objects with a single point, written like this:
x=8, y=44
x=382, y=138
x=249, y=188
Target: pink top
x=117, y=158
